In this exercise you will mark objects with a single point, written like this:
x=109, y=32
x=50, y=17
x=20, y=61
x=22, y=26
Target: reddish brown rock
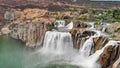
x=99, y=42
x=109, y=56
x=30, y=26
x=30, y=33
x=116, y=64
x=105, y=57
x=79, y=36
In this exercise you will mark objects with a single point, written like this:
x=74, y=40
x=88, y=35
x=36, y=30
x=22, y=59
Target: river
x=14, y=54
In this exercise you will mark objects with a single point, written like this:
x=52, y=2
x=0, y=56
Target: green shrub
x=97, y=22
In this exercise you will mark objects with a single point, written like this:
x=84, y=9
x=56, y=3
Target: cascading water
x=82, y=42
x=90, y=60
x=85, y=50
x=59, y=23
x=105, y=27
x=57, y=42
x=60, y=43
x=69, y=26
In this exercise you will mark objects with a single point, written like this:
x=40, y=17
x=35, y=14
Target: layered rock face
x=32, y=33
x=110, y=56
x=99, y=42
x=30, y=26
x=80, y=34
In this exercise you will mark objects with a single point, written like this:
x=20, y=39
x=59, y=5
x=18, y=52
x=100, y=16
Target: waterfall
x=59, y=23
x=104, y=28
x=57, y=41
x=69, y=26
x=60, y=43
x=91, y=61
x=96, y=55
x=86, y=49
x=82, y=42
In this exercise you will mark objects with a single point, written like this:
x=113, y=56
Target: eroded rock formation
x=32, y=33
x=80, y=34
x=109, y=56
x=30, y=26
x=99, y=42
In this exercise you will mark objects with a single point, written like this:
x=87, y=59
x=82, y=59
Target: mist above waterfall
x=57, y=42
x=58, y=45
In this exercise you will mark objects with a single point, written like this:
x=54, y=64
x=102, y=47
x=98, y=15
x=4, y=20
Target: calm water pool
x=14, y=54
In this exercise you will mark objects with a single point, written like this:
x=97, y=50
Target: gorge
x=58, y=50
x=59, y=34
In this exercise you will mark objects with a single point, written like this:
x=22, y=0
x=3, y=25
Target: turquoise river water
x=14, y=54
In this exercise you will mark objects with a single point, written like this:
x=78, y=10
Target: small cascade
x=59, y=23
x=69, y=26
x=86, y=49
x=85, y=52
x=104, y=28
x=96, y=55
x=91, y=61
x=92, y=25
x=82, y=42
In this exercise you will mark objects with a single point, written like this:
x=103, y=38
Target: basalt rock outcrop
x=30, y=26
x=80, y=34
x=32, y=34
x=99, y=42
x=109, y=56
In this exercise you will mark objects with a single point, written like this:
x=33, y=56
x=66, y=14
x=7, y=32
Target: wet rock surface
x=80, y=34
x=100, y=42
x=109, y=56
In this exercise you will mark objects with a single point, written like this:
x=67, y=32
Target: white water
x=60, y=43
x=59, y=23
x=84, y=58
x=104, y=28
x=57, y=42
x=82, y=42
x=85, y=50
x=69, y=26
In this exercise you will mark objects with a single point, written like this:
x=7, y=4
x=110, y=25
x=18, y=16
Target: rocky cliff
x=110, y=55
x=30, y=26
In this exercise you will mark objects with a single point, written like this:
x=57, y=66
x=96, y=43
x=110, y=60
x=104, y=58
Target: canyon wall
x=30, y=26
x=32, y=34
